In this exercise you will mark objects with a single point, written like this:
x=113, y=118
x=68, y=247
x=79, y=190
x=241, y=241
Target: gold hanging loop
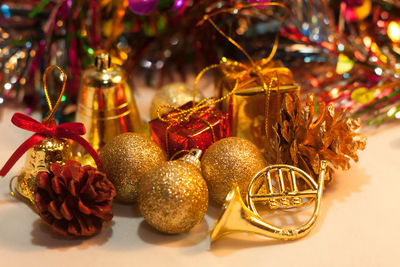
x=46, y=93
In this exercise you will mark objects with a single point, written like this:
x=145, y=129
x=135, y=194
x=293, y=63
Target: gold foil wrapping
x=250, y=104
x=106, y=105
x=39, y=157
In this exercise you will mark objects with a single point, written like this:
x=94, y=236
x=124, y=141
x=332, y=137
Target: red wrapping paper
x=196, y=132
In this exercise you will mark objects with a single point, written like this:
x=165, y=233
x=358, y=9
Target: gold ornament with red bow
x=49, y=144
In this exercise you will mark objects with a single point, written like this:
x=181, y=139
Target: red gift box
x=199, y=130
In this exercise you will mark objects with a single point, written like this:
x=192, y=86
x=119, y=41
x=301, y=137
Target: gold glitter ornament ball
x=126, y=159
x=230, y=161
x=173, y=197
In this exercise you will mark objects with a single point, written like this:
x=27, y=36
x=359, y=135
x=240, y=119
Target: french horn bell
x=277, y=187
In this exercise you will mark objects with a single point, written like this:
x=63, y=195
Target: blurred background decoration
x=345, y=51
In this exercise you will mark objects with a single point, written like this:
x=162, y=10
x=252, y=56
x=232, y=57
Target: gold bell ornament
x=48, y=145
x=105, y=103
x=277, y=187
x=39, y=158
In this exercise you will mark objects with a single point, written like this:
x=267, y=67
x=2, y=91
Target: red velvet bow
x=72, y=130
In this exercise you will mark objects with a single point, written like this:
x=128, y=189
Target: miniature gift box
x=253, y=108
x=198, y=130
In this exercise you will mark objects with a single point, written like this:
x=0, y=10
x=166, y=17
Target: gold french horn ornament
x=275, y=187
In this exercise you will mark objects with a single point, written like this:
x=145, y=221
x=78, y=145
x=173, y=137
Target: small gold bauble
x=228, y=162
x=174, y=94
x=126, y=159
x=173, y=197
x=39, y=157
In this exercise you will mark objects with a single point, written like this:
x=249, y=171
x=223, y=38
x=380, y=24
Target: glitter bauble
x=228, y=162
x=174, y=94
x=173, y=197
x=126, y=159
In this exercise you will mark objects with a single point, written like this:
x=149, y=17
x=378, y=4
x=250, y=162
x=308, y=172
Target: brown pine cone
x=74, y=200
x=305, y=136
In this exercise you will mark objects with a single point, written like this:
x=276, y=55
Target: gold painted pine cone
x=305, y=136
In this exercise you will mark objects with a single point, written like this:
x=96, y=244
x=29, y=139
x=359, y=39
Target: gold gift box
x=248, y=106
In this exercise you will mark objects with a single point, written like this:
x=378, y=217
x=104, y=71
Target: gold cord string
x=236, y=9
x=256, y=68
x=46, y=93
x=206, y=17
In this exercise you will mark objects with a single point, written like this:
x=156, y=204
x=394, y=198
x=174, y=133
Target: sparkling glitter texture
x=173, y=197
x=126, y=159
x=230, y=161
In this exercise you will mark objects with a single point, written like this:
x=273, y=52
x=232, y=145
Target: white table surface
x=358, y=224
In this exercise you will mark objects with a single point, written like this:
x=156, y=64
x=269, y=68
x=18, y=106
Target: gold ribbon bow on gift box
x=264, y=78
x=264, y=74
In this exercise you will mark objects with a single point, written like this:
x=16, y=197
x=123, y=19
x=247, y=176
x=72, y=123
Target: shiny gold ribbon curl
x=46, y=93
x=258, y=71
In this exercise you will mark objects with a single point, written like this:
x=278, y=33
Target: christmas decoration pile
x=255, y=142
x=340, y=50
